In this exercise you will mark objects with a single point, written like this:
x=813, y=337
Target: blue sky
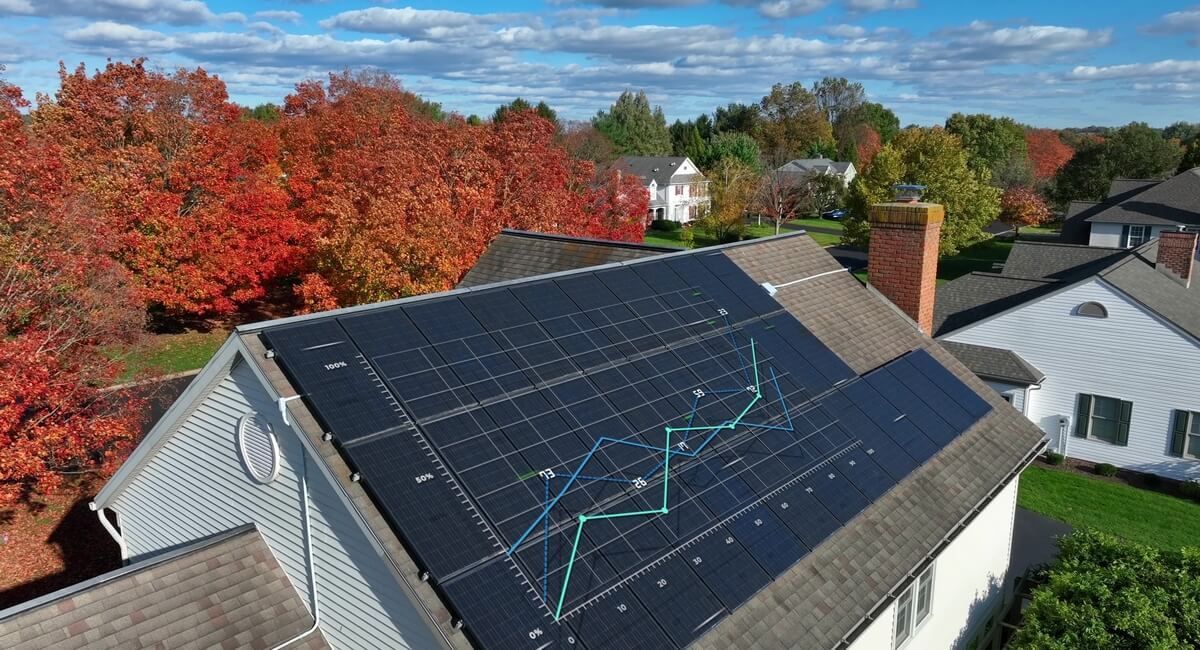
x=1048, y=63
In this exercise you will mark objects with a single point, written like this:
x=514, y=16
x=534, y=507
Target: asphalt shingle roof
x=1123, y=188
x=227, y=591
x=976, y=296
x=1057, y=261
x=995, y=363
x=1075, y=228
x=1173, y=201
x=827, y=597
x=517, y=254
x=658, y=168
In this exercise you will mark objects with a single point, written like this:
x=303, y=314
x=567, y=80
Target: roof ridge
x=1002, y=276
x=586, y=240
x=1064, y=245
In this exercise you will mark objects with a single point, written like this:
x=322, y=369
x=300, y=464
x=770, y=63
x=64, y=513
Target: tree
x=867, y=145
x=1104, y=592
x=633, y=127
x=732, y=145
x=1184, y=132
x=879, y=117
x=189, y=195
x=268, y=113
x=686, y=141
x=1014, y=171
x=617, y=207
x=704, y=125
x=837, y=97
x=781, y=197
x=542, y=109
x=732, y=184
x=1023, y=206
x=584, y=142
x=791, y=121
x=735, y=117
x=989, y=141
x=936, y=159
x=1191, y=157
x=1133, y=151
x=1047, y=153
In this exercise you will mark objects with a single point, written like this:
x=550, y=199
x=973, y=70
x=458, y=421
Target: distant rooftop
x=517, y=254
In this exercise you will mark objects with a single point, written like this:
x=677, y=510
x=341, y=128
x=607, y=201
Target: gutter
x=929, y=557
x=113, y=532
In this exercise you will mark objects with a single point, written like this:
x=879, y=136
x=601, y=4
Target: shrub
x=1106, y=469
x=1152, y=480
x=1190, y=489
x=665, y=225
x=1053, y=458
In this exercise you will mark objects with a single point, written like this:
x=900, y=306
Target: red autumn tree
x=61, y=302
x=868, y=143
x=617, y=208
x=190, y=198
x=1023, y=206
x=1047, y=152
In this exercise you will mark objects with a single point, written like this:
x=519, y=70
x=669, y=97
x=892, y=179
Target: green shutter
x=1123, y=425
x=1083, y=413
x=1179, y=433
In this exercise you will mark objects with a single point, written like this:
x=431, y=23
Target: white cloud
x=790, y=8
x=1186, y=21
x=845, y=31
x=406, y=21
x=1165, y=68
x=173, y=12
x=280, y=16
x=19, y=7
x=871, y=6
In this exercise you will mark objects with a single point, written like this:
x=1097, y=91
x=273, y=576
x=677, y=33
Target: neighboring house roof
x=226, y=591
x=815, y=165
x=1173, y=201
x=657, y=168
x=830, y=594
x=1123, y=188
x=1075, y=228
x=994, y=363
x=1036, y=269
x=518, y=254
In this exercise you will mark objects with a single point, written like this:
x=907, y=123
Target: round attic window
x=258, y=446
x=1092, y=310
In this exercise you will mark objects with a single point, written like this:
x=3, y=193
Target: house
x=1135, y=211
x=688, y=449
x=1097, y=346
x=814, y=166
x=516, y=254
x=678, y=191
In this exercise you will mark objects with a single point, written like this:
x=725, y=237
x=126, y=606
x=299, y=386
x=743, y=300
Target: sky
x=1049, y=63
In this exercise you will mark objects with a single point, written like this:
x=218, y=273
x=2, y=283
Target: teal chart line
x=665, y=465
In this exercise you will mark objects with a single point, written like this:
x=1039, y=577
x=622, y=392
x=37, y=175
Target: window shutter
x=1083, y=412
x=1179, y=434
x=1124, y=236
x=1123, y=425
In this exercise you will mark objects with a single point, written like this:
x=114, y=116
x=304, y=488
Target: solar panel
x=615, y=458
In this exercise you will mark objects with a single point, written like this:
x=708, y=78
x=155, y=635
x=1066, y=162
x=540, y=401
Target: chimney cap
x=908, y=192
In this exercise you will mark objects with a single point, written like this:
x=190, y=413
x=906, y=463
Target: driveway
x=1033, y=540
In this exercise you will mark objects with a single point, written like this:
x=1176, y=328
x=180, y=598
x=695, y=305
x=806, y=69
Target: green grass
x=1134, y=514
x=817, y=223
x=661, y=238
x=753, y=231
x=980, y=257
x=164, y=354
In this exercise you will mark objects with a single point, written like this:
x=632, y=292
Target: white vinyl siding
x=973, y=572
x=196, y=485
x=1012, y=393
x=1132, y=355
x=1115, y=235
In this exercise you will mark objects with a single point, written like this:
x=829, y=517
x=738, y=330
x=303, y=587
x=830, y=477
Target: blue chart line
x=708, y=431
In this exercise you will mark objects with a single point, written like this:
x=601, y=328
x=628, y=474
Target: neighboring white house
x=1103, y=345
x=896, y=536
x=677, y=189
x=843, y=170
x=1135, y=211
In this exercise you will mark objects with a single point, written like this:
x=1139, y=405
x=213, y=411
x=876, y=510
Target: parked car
x=833, y=215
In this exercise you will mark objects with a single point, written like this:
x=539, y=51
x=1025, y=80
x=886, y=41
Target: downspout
x=117, y=537
x=311, y=565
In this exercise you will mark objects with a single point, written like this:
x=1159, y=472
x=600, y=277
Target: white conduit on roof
x=772, y=288
x=308, y=546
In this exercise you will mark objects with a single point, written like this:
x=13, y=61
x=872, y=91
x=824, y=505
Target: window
x=1138, y=235
x=1092, y=310
x=914, y=606
x=1008, y=397
x=678, y=190
x=1185, y=438
x=258, y=447
x=1103, y=418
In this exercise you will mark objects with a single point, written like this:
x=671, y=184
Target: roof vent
x=259, y=447
x=673, y=163
x=656, y=169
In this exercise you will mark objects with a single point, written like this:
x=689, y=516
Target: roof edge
x=127, y=570
x=588, y=240
x=259, y=326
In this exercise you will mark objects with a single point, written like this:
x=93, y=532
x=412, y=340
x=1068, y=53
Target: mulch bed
x=52, y=542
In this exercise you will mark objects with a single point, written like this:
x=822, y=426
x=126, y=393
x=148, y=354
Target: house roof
x=517, y=254
x=859, y=566
x=657, y=168
x=1123, y=188
x=815, y=164
x=1034, y=270
x=1075, y=227
x=995, y=363
x=1173, y=201
x=226, y=591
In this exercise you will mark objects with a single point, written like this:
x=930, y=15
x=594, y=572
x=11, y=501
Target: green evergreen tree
x=635, y=128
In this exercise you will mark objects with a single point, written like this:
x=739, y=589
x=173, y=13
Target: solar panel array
x=614, y=458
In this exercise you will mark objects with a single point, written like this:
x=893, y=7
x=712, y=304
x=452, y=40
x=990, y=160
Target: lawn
x=753, y=231
x=164, y=354
x=1134, y=514
x=980, y=257
x=818, y=223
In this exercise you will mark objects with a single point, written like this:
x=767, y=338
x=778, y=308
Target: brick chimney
x=903, y=257
x=1177, y=255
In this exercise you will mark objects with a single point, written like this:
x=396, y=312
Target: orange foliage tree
x=1022, y=206
x=188, y=197
x=868, y=143
x=1047, y=152
x=61, y=302
x=402, y=204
